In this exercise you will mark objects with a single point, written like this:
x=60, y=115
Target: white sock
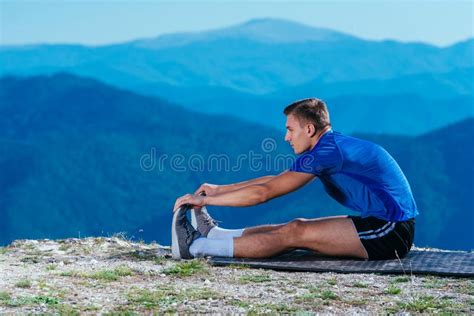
x=220, y=233
x=212, y=247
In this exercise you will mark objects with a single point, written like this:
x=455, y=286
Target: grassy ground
x=113, y=275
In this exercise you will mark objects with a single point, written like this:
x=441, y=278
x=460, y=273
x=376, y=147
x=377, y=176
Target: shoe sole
x=175, y=253
x=193, y=215
x=194, y=219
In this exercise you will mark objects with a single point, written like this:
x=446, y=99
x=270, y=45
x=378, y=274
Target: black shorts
x=385, y=240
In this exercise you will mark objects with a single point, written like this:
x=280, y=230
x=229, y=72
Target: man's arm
x=252, y=194
x=213, y=189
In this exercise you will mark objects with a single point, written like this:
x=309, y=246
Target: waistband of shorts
x=410, y=220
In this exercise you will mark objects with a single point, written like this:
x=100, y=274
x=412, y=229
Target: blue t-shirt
x=360, y=175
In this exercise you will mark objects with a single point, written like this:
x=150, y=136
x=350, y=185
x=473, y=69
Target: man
x=358, y=174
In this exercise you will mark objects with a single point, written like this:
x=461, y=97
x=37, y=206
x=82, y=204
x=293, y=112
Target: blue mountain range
x=70, y=163
x=254, y=69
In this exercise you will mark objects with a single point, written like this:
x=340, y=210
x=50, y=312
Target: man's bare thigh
x=335, y=235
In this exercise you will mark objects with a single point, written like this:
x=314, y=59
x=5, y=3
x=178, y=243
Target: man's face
x=299, y=137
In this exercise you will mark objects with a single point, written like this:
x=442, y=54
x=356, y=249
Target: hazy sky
x=110, y=21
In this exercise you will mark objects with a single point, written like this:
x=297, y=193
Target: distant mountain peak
x=270, y=22
x=267, y=30
x=280, y=30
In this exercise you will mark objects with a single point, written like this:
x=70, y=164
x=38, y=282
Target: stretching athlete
x=358, y=174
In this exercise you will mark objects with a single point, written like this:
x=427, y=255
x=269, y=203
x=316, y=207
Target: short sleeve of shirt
x=325, y=158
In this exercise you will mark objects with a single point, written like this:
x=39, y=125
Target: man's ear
x=311, y=130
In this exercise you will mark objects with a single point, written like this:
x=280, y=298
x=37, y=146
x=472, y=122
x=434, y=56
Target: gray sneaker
x=182, y=235
x=202, y=221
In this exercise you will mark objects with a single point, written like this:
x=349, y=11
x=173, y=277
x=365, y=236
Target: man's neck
x=319, y=135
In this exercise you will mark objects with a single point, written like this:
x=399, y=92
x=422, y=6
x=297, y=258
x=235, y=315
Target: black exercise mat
x=417, y=262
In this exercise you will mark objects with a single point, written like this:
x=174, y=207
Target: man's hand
x=209, y=189
x=190, y=199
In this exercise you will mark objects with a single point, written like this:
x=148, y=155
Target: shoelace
x=210, y=221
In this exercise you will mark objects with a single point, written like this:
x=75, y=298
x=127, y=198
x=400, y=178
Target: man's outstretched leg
x=331, y=235
x=335, y=236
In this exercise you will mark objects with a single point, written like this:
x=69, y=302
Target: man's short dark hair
x=312, y=111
